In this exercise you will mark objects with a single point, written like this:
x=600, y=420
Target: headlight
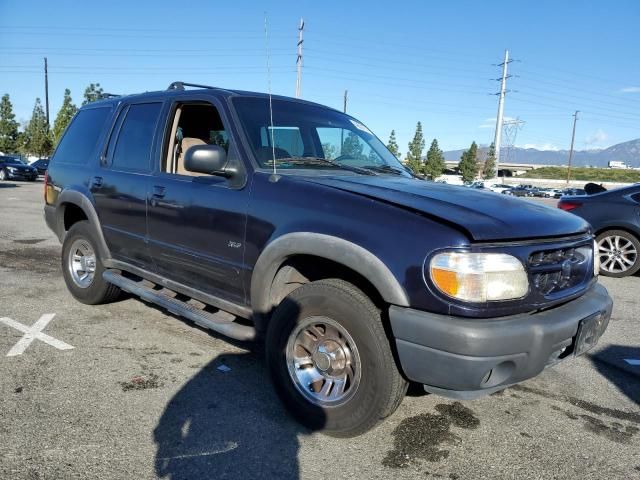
x=479, y=277
x=11, y=169
x=596, y=259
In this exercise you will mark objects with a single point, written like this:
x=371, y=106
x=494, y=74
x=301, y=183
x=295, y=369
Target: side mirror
x=207, y=159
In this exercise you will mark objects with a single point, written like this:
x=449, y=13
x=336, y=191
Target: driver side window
x=193, y=124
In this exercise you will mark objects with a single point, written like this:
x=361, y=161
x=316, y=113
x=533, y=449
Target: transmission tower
x=510, y=129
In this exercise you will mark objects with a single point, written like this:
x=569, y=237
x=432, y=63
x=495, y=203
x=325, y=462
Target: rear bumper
x=466, y=358
x=52, y=222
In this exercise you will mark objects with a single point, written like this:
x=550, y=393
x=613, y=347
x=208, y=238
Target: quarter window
x=79, y=142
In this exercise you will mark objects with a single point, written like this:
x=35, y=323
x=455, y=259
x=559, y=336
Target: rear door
x=197, y=222
x=121, y=184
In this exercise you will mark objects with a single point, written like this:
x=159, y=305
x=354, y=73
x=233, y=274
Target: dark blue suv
x=282, y=220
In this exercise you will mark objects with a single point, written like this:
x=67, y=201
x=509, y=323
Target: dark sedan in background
x=41, y=165
x=11, y=168
x=615, y=218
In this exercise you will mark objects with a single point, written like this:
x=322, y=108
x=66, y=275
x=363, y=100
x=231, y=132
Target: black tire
x=626, y=240
x=98, y=291
x=381, y=387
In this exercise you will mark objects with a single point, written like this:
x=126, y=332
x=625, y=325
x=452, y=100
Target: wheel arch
x=343, y=253
x=79, y=202
x=630, y=229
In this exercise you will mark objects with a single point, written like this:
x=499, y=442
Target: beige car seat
x=185, y=144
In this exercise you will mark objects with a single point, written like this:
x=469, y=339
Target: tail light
x=568, y=205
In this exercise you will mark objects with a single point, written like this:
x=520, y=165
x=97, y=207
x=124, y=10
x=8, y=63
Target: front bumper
x=467, y=358
x=21, y=175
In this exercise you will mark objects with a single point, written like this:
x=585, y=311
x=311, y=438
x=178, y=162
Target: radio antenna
x=274, y=176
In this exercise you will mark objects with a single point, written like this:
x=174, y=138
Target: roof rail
x=181, y=85
x=111, y=95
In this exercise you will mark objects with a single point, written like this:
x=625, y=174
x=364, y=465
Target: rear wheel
x=619, y=253
x=82, y=268
x=331, y=361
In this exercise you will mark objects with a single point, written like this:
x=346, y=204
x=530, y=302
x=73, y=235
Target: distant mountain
x=627, y=152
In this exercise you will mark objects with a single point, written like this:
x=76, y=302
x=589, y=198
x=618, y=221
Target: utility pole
x=299, y=60
x=573, y=138
x=346, y=92
x=46, y=90
x=501, y=94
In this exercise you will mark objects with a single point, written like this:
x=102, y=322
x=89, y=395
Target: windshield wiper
x=385, y=169
x=311, y=160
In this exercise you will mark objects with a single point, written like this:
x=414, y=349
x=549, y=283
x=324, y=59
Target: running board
x=219, y=321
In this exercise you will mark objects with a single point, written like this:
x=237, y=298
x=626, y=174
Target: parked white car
x=498, y=187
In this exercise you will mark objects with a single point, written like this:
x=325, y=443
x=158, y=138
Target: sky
x=401, y=62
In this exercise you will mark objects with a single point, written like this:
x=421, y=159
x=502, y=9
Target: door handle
x=96, y=182
x=158, y=191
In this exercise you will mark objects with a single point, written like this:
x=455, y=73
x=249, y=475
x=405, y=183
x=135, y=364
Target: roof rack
x=181, y=85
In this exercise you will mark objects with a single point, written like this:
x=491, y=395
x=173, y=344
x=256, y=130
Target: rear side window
x=135, y=139
x=79, y=142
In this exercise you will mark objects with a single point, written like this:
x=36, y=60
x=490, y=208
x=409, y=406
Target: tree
x=416, y=146
x=469, y=163
x=65, y=114
x=330, y=150
x=8, y=126
x=435, y=165
x=352, y=147
x=92, y=93
x=36, y=139
x=489, y=168
x=392, y=145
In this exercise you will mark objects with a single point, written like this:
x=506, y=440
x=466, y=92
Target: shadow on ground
x=611, y=363
x=7, y=185
x=227, y=424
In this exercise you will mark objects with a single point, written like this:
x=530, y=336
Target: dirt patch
x=140, y=382
x=29, y=241
x=582, y=404
x=419, y=438
x=37, y=260
x=614, y=432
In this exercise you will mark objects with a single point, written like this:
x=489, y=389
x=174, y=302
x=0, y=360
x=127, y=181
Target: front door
x=197, y=222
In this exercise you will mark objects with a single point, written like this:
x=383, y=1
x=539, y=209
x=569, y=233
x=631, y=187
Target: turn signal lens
x=479, y=277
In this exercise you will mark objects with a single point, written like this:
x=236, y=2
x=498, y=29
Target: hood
x=19, y=166
x=484, y=215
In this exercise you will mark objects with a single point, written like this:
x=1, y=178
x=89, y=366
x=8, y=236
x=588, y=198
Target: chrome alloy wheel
x=323, y=361
x=617, y=254
x=82, y=263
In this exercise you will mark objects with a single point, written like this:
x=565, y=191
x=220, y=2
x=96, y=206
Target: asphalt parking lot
x=142, y=394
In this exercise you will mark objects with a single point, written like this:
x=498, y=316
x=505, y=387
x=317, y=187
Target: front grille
x=560, y=270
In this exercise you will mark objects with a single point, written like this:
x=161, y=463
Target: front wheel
x=3, y=175
x=331, y=361
x=618, y=251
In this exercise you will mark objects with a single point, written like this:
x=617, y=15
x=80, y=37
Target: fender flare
x=79, y=199
x=342, y=251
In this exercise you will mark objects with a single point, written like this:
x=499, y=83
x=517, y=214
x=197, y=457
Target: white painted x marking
x=32, y=333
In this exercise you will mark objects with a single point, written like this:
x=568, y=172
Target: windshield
x=312, y=137
x=11, y=160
